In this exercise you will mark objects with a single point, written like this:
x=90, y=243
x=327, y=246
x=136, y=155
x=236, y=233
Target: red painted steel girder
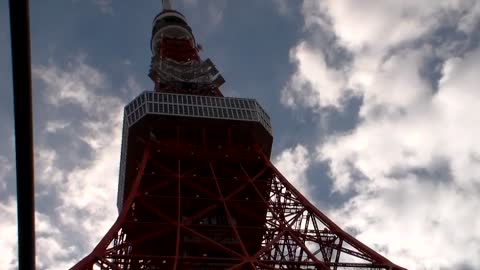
x=194, y=213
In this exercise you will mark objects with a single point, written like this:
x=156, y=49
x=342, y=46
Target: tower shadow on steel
x=197, y=189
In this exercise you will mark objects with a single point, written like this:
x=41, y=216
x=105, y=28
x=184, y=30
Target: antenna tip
x=167, y=5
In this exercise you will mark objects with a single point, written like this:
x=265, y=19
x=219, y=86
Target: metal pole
x=22, y=98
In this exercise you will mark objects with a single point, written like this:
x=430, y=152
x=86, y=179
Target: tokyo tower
x=197, y=189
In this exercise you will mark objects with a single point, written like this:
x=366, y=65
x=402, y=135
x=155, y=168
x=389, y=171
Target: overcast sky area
x=375, y=107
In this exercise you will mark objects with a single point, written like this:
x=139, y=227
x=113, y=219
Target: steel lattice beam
x=295, y=233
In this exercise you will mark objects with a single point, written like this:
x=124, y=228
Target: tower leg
x=223, y=213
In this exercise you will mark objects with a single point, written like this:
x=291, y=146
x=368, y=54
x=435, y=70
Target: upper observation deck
x=190, y=122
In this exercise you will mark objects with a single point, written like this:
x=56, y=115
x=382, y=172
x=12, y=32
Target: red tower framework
x=197, y=189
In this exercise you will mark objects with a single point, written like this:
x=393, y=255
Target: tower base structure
x=198, y=191
x=293, y=233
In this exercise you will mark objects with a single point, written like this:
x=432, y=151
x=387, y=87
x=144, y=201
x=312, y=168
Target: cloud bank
x=412, y=160
x=78, y=132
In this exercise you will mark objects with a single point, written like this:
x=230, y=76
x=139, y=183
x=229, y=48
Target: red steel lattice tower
x=197, y=189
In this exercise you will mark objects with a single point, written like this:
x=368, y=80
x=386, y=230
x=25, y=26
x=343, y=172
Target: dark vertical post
x=22, y=98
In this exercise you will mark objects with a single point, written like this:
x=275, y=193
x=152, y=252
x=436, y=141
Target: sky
x=374, y=106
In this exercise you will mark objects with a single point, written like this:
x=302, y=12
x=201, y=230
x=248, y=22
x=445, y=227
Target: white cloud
x=62, y=87
x=293, y=163
x=419, y=224
x=8, y=232
x=314, y=84
x=377, y=25
x=132, y=87
x=89, y=192
x=432, y=126
x=54, y=126
x=52, y=247
x=412, y=160
x=76, y=84
x=372, y=32
x=52, y=244
x=395, y=85
x=5, y=168
x=45, y=168
x=84, y=196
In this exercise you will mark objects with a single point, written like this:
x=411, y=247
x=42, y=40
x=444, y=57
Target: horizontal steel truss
x=296, y=235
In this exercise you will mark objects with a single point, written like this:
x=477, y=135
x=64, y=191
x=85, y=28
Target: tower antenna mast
x=167, y=5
